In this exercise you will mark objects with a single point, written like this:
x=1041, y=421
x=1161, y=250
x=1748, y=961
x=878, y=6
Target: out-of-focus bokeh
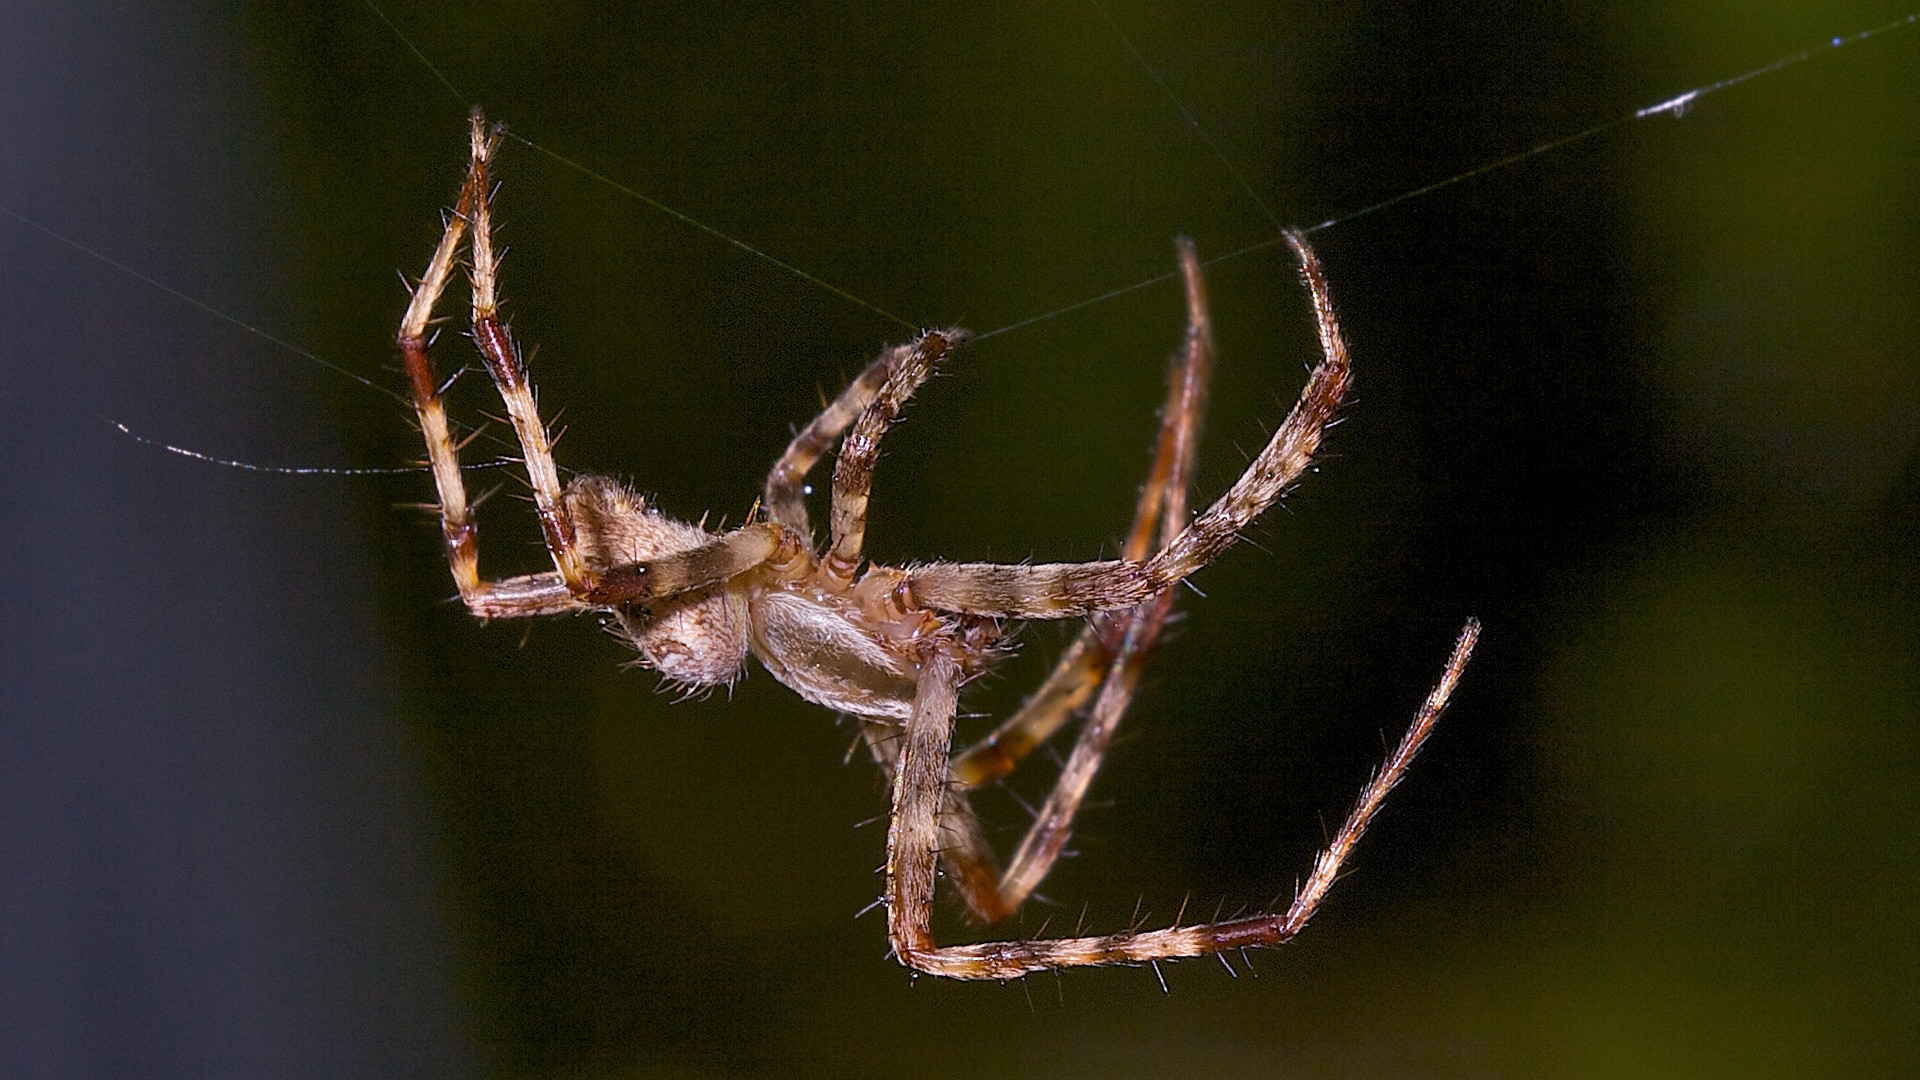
x=1647, y=404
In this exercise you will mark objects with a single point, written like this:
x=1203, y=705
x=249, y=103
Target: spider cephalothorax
x=891, y=646
x=851, y=649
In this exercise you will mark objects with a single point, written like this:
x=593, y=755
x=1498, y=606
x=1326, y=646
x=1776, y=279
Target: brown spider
x=892, y=646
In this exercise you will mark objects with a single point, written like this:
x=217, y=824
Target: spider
x=891, y=646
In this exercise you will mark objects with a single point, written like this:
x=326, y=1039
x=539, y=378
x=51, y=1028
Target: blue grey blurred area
x=216, y=857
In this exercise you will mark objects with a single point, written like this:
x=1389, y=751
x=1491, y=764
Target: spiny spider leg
x=1110, y=652
x=913, y=830
x=910, y=856
x=574, y=585
x=785, y=494
x=908, y=366
x=971, y=865
x=1065, y=590
x=1162, y=504
x=539, y=594
x=719, y=560
x=509, y=372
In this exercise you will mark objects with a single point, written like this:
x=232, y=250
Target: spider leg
x=908, y=366
x=671, y=575
x=785, y=495
x=1041, y=846
x=1162, y=504
x=1065, y=691
x=574, y=585
x=726, y=556
x=913, y=831
x=509, y=373
x=539, y=594
x=1112, y=650
x=1069, y=590
x=1108, y=656
x=990, y=893
x=969, y=860
x=910, y=860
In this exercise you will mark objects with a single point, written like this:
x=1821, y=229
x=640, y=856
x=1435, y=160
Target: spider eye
x=806, y=489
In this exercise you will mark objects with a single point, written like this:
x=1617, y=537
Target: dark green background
x=1646, y=405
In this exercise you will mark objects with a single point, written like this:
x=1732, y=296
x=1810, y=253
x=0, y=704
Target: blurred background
x=1645, y=404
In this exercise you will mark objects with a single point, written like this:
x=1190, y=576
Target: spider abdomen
x=698, y=639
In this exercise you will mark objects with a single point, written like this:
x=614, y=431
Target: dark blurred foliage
x=1646, y=405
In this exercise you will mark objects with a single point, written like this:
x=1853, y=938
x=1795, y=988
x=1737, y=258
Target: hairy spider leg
x=908, y=367
x=962, y=844
x=1162, y=504
x=1110, y=652
x=540, y=594
x=910, y=855
x=574, y=585
x=785, y=493
x=1067, y=590
x=509, y=372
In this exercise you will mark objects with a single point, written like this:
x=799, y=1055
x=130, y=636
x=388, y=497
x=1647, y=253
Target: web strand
x=1676, y=106
x=155, y=283
x=288, y=470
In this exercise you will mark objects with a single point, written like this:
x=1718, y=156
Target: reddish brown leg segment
x=1109, y=654
x=516, y=597
x=913, y=833
x=907, y=367
x=910, y=877
x=1065, y=590
x=509, y=374
x=1162, y=504
x=785, y=494
x=968, y=858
